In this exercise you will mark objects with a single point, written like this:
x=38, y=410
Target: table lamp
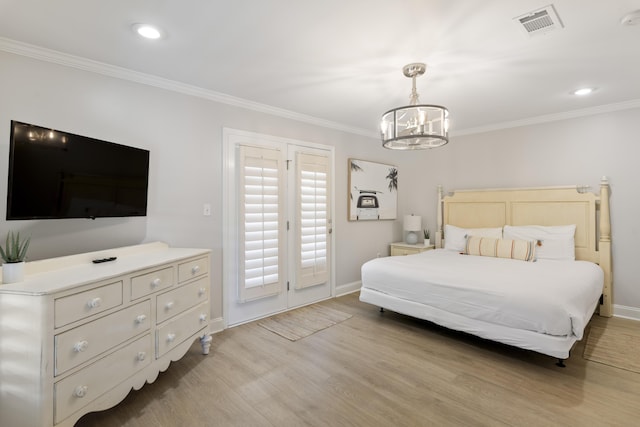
x=412, y=223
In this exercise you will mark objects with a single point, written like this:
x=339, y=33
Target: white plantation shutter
x=312, y=204
x=261, y=223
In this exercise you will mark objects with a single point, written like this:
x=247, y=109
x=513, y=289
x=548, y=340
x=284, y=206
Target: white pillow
x=553, y=242
x=455, y=238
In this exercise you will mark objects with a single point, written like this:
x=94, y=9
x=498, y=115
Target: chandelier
x=415, y=126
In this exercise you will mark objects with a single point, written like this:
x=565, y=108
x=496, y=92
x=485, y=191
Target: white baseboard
x=348, y=288
x=216, y=325
x=626, y=312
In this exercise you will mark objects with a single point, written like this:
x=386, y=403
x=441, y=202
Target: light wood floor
x=378, y=369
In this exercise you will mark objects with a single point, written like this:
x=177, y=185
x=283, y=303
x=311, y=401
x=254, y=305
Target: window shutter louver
x=312, y=206
x=261, y=221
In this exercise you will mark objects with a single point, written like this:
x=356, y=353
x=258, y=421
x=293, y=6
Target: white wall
x=184, y=135
x=567, y=152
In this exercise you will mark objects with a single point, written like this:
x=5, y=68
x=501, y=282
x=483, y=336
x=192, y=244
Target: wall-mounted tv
x=54, y=174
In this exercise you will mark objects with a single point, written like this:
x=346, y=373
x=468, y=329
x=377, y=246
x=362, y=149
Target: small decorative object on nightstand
x=402, y=248
x=412, y=223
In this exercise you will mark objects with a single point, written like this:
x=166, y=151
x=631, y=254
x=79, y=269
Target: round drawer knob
x=80, y=391
x=169, y=305
x=80, y=346
x=95, y=303
x=141, y=356
x=202, y=291
x=171, y=337
x=141, y=318
x=203, y=317
x=195, y=269
x=155, y=282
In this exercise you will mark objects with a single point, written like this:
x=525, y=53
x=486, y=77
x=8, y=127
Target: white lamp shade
x=412, y=223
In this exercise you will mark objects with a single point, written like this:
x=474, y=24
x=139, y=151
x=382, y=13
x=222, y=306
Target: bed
x=541, y=301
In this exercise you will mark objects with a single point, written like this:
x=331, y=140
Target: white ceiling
x=341, y=60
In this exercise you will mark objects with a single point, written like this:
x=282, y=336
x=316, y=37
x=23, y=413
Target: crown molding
x=64, y=59
x=601, y=109
x=67, y=60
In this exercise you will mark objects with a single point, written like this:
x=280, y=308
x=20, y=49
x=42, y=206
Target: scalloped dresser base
x=77, y=336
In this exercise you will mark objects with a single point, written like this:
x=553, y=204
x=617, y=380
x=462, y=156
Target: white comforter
x=549, y=297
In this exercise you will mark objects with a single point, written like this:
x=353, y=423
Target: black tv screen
x=54, y=174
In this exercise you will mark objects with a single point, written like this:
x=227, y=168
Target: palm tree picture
x=373, y=190
x=393, y=179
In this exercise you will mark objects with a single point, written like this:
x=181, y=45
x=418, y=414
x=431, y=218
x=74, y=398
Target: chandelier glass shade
x=415, y=126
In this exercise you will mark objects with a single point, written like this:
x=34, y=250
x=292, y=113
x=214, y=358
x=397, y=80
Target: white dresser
x=77, y=336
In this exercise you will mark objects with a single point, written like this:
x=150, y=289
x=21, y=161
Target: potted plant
x=13, y=255
x=427, y=241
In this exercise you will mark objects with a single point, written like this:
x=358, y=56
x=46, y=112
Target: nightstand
x=401, y=248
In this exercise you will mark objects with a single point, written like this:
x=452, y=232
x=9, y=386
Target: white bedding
x=555, y=298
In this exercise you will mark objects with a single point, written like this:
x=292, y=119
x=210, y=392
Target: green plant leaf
x=15, y=250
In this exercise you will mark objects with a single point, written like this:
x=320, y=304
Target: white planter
x=12, y=272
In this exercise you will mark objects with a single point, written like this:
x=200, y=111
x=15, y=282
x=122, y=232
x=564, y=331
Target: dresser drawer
x=190, y=269
x=181, y=328
x=79, y=389
x=84, y=304
x=80, y=344
x=178, y=300
x=151, y=282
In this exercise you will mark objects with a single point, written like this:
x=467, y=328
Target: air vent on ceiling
x=539, y=21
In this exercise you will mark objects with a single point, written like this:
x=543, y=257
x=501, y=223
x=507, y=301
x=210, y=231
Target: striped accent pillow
x=524, y=250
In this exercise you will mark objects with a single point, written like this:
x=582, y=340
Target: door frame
x=230, y=139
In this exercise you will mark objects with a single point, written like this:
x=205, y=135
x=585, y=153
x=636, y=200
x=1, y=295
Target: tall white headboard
x=539, y=206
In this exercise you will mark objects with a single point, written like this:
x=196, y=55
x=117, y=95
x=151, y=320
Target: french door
x=278, y=225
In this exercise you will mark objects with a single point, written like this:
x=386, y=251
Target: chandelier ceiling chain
x=413, y=71
x=416, y=126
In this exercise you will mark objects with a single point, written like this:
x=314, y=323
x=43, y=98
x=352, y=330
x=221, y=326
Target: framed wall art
x=373, y=191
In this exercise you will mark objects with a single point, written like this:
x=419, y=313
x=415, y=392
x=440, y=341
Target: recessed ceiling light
x=583, y=91
x=147, y=31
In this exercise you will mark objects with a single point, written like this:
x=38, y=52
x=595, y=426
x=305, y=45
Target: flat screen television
x=54, y=174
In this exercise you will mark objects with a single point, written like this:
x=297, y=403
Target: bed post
x=439, y=219
x=604, y=248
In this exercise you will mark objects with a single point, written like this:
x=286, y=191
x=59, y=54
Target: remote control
x=101, y=260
